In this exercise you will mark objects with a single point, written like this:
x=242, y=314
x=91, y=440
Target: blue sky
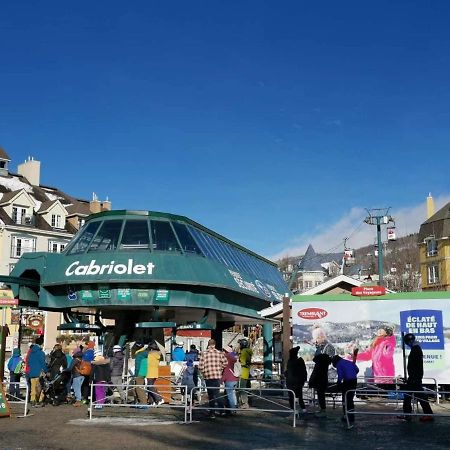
x=273, y=123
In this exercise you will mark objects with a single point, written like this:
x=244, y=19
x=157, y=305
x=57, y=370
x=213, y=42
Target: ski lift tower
x=378, y=217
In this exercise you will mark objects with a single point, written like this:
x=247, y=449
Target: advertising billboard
x=374, y=326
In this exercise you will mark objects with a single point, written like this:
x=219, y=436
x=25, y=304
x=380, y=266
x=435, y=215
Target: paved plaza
x=67, y=427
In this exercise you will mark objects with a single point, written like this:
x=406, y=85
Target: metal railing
x=17, y=399
x=382, y=398
x=255, y=394
x=108, y=402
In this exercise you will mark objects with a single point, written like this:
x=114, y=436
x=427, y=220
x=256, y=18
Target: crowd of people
x=60, y=377
x=64, y=378
x=347, y=374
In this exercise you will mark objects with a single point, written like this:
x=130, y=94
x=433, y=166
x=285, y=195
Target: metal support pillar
x=267, y=330
x=287, y=331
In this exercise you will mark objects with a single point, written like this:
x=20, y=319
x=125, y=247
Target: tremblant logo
x=109, y=269
x=312, y=313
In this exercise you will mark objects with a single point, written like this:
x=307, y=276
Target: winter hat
x=117, y=348
x=90, y=344
x=228, y=348
x=293, y=352
x=16, y=352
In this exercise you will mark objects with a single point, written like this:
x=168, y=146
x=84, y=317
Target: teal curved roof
x=133, y=254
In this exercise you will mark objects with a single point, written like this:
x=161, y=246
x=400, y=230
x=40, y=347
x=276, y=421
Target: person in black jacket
x=319, y=380
x=295, y=377
x=57, y=362
x=414, y=381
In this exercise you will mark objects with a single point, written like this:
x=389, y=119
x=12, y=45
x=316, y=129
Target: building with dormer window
x=434, y=251
x=35, y=217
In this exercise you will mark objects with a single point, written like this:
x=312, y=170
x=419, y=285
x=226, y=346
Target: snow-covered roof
x=14, y=184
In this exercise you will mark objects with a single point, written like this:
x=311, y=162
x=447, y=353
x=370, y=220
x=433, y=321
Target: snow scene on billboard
x=374, y=327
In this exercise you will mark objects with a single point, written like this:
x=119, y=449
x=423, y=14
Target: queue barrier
x=109, y=401
x=384, y=399
x=254, y=394
x=18, y=401
x=367, y=385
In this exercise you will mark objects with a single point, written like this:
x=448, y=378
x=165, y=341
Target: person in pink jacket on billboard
x=381, y=353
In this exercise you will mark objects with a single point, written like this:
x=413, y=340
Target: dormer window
x=56, y=221
x=432, y=245
x=18, y=214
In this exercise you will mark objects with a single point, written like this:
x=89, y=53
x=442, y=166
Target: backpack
x=19, y=367
x=237, y=369
x=85, y=368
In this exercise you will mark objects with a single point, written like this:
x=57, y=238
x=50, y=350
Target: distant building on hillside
x=313, y=269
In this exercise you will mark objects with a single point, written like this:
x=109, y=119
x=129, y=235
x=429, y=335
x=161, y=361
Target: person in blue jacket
x=15, y=365
x=35, y=365
x=347, y=372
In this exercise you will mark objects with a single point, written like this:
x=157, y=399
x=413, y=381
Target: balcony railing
x=25, y=220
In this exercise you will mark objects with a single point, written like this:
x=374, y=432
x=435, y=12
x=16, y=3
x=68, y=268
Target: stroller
x=55, y=390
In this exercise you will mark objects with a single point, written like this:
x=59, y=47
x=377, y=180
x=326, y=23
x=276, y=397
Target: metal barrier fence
x=253, y=393
x=160, y=390
x=383, y=398
x=14, y=399
x=368, y=384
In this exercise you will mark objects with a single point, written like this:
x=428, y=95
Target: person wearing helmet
x=117, y=363
x=245, y=358
x=414, y=380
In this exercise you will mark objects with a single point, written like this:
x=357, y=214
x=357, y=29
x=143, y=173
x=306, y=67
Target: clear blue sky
x=264, y=121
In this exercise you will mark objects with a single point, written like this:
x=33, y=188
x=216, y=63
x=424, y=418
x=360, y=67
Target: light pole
x=378, y=217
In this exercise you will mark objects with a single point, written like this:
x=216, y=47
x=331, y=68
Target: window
x=135, y=235
x=163, y=237
x=56, y=221
x=186, y=240
x=433, y=274
x=432, y=247
x=21, y=245
x=18, y=214
x=56, y=247
x=83, y=239
x=107, y=237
